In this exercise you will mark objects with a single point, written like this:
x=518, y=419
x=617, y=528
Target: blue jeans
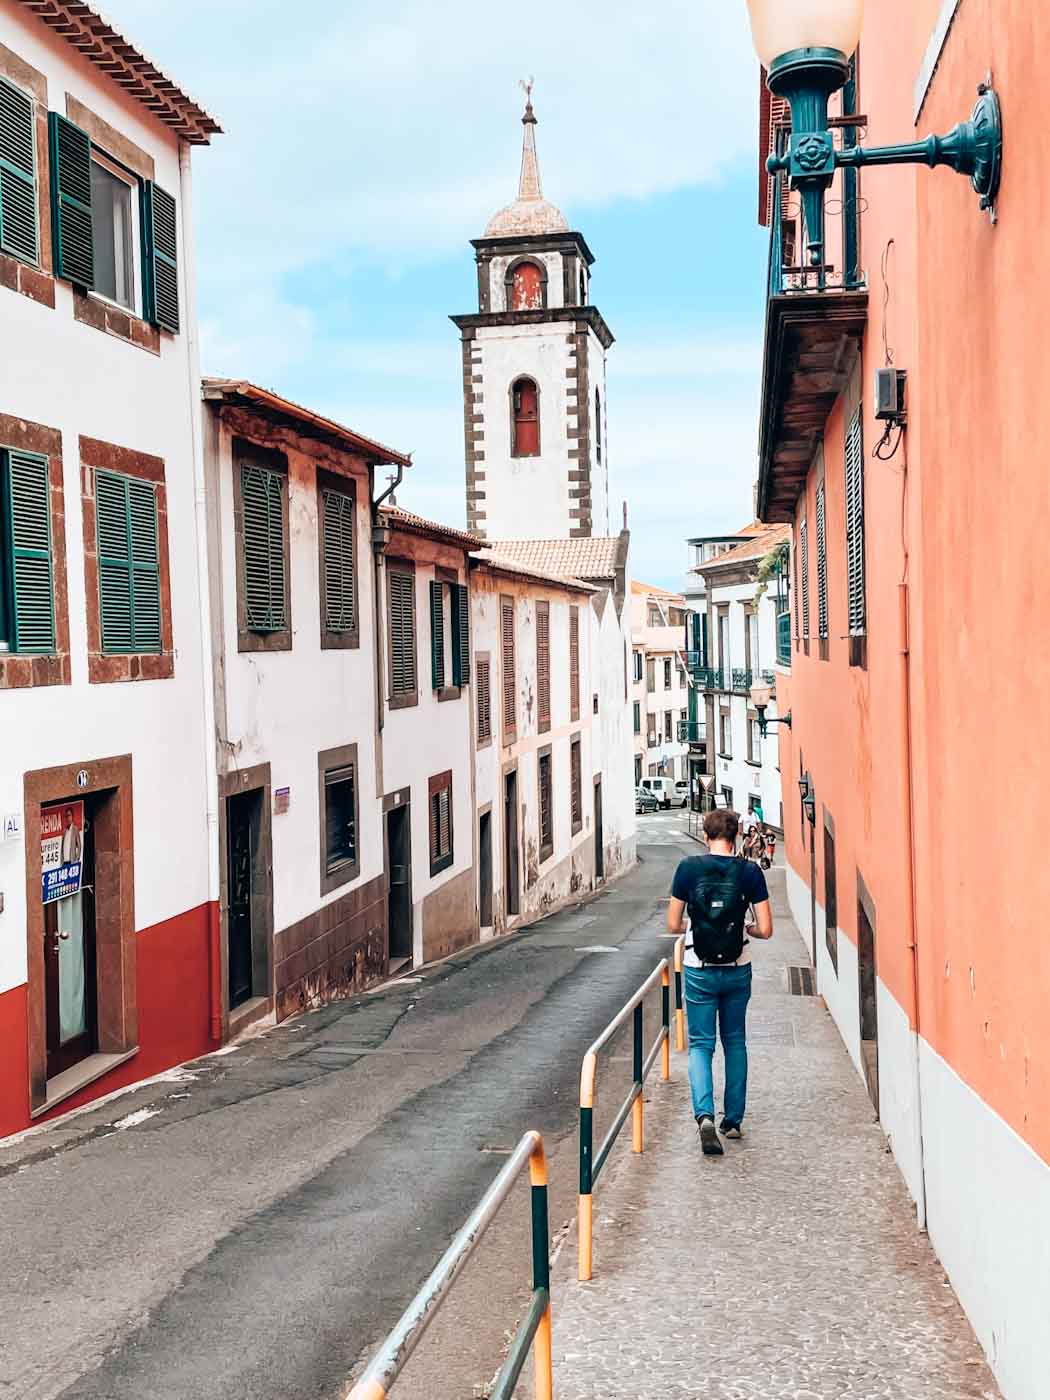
x=722, y=994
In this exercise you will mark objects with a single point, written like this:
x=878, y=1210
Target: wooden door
x=70, y=979
x=239, y=872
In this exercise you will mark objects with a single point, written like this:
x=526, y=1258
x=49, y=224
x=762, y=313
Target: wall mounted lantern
x=805, y=48
x=761, y=695
x=809, y=798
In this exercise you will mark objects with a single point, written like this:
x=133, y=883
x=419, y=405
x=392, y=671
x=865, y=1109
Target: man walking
x=718, y=889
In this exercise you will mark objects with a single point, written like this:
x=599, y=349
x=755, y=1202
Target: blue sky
x=365, y=148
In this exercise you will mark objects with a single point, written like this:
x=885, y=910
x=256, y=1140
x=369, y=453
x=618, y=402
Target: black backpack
x=717, y=910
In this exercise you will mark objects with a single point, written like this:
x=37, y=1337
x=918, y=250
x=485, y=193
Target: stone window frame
x=344, y=756
x=89, y=308
x=349, y=640
x=22, y=670
x=508, y=282
x=276, y=461
x=441, y=782
x=576, y=788
x=37, y=282
x=518, y=379
x=115, y=936
x=447, y=578
x=106, y=667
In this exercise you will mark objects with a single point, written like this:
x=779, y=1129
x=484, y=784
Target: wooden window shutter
x=803, y=544
x=796, y=550
x=822, y=566
x=440, y=823
x=72, y=227
x=160, y=264
x=128, y=564
x=18, y=206
x=340, y=579
x=25, y=497
x=263, y=545
x=577, y=786
x=460, y=634
x=546, y=806
x=510, y=684
x=401, y=588
x=543, y=665
x=484, y=688
x=437, y=634
x=574, y=663
x=855, y=586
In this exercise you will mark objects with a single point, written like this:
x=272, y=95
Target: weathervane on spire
x=526, y=85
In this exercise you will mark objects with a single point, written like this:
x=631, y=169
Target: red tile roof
x=499, y=563
x=398, y=519
x=757, y=548
x=589, y=557
x=101, y=44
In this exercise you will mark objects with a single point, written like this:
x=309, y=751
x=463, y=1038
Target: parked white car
x=681, y=792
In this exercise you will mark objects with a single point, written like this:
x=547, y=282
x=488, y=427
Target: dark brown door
x=510, y=844
x=399, y=898
x=485, y=869
x=70, y=984
x=239, y=812
x=599, y=833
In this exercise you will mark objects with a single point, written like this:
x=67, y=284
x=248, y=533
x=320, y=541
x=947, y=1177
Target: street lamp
x=805, y=47
x=809, y=797
x=761, y=695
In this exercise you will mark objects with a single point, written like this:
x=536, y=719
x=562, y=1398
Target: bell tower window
x=583, y=287
x=598, y=424
x=526, y=287
x=525, y=418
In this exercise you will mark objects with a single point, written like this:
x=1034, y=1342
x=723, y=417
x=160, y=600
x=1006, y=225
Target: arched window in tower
x=598, y=424
x=525, y=418
x=527, y=289
x=583, y=287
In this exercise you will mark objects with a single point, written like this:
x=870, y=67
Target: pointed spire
x=529, y=186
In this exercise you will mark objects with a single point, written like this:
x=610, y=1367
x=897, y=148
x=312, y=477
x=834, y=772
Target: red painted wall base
x=173, y=1006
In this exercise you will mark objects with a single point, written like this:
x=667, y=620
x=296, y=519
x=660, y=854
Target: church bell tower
x=534, y=373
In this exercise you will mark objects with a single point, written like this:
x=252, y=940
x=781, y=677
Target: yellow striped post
x=679, y=1013
x=585, y=1214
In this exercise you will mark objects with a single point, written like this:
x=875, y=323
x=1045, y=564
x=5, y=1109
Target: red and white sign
x=61, y=850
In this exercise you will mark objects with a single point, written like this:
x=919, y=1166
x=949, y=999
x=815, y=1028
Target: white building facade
x=661, y=683
x=104, y=667
x=743, y=768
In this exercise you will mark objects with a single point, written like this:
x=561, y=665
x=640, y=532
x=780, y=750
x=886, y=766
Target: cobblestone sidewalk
x=790, y=1269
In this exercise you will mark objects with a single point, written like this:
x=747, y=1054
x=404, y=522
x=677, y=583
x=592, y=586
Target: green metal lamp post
x=804, y=46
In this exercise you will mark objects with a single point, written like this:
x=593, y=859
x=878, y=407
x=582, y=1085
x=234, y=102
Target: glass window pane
x=114, y=251
x=340, y=837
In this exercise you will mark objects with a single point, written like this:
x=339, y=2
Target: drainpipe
x=909, y=807
x=189, y=287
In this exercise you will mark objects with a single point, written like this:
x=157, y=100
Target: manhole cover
x=801, y=982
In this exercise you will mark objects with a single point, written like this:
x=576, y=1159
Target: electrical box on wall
x=890, y=387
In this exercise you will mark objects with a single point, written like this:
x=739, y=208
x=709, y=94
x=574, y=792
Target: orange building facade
x=917, y=683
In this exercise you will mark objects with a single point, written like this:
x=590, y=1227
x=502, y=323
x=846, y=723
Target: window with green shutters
x=27, y=594
x=263, y=548
x=160, y=281
x=338, y=562
x=855, y=587
x=822, y=566
x=72, y=228
x=401, y=595
x=128, y=564
x=437, y=634
x=18, y=204
x=460, y=634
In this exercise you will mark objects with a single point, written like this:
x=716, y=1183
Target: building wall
x=418, y=743
x=611, y=643
x=79, y=381
x=949, y=518
x=657, y=644
x=283, y=708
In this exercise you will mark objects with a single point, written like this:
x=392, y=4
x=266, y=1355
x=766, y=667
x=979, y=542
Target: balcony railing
x=737, y=680
x=784, y=639
x=691, y=731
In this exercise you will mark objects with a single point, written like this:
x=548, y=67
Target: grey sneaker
x=709, y=1143
x=731, y=1130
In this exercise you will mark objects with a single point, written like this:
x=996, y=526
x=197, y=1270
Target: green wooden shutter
x=160, y=249
x=27, y=536
x=128, y=564
x=460, y=634
x=855, y=586
x=402, y=603
x=437, y=634
x=803, y=544
x=822, y=566
x=340, y=587
x=18, y=208
x=263, y=545
x=73, y=231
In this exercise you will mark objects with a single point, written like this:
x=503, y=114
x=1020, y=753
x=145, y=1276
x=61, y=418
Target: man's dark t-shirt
x=752, y=882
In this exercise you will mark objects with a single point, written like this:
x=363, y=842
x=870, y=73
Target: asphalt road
x=253, y=1224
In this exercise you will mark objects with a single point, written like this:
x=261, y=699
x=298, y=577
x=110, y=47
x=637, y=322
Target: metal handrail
x=392, y=1357
x=679, y=1007
x=590, y=1163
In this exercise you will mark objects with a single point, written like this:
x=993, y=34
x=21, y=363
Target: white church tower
x=534, y=374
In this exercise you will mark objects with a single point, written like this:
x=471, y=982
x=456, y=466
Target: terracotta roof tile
x=400, y=519
x=502, y=564
x=589, y=557
x=757, y=548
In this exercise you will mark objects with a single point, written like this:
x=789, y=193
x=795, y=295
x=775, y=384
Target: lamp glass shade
x=778, y=26
x=761, y=695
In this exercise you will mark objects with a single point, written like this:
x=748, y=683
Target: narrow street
x=252, y=1224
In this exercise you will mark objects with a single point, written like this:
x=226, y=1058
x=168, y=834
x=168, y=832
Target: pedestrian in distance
x=717, y=890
